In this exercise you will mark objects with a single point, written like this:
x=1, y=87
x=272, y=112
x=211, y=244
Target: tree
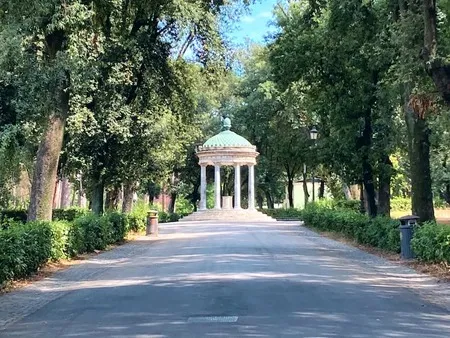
x=436, y=34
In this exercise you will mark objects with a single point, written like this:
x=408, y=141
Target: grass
x=442, y=215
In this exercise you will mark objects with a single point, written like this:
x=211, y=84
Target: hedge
x=69, y=214
x=431, y=242
x=380, y=232
x=24, y=248
x=18, y=215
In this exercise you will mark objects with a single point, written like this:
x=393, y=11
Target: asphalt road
x=227, y=280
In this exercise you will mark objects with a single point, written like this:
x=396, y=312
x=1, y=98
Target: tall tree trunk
x=44, y=179
x=347, y=192
x=291, y=191
x=173, y=201
x=362, y=199
x=446, y=194
x=154, y=191
x=57, y=195
x=322, y=189
x=128, y=193
x=66, y=190
x=112, y=199
x=194, y=197
x=49, y=150
x=269, y=199
x=260, y=201
x=437, y=67
x=369, y=188
x=97, y=202
x=419, y=157
x=384, y=187
x=305, y=188
x=368, y=179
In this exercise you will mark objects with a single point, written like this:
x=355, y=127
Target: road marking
x=213, y=319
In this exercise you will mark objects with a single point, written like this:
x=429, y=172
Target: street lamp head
x=313, y=133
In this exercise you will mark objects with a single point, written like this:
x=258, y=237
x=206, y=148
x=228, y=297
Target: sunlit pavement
x=230, y=280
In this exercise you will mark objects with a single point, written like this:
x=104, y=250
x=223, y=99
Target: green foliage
x=69, y=214
x=353, y=205
x=61, y=247
x=404, y=204
x=379, y=232
x=184, y=207
x=281, y=214
x=137, y=219
x=165, y=217
x=401, y=204
x=24, y=248
x=431, y=242
x=14, y=215
x=95, y=232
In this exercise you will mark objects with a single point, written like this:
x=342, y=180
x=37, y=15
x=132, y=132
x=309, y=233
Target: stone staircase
x=232, y=215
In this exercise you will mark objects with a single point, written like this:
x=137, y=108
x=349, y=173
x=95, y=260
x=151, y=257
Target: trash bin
x=152, y=223
x=407, y=224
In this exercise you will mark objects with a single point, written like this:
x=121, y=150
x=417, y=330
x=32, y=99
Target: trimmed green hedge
x=431, y=242
x=380, y=232
x=24, y=248
x=18, y=215
x=69, y=214
x=283, y=213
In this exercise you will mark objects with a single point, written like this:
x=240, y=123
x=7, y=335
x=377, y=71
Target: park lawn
x=442, y=215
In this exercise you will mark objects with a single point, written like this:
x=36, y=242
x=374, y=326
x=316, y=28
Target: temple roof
x=227, y=138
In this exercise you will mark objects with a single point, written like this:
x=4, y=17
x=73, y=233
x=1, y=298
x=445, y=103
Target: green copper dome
x=227, y=138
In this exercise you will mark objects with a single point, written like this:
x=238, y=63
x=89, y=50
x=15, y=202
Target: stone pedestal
x=227, y=202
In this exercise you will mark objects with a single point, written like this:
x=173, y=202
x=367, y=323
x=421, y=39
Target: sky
x=255, y=24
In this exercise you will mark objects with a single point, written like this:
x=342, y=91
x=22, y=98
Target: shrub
x=136, y=223
x=24, y=249
x=346, y=204
x=163, y=217
x=283, y=213
x=431, y=242
x=401, y=204
x=60, y=240
x=95, y=231
x=118, y=225
x=183, y=207
x=68, y=214
x=381, y=232
x=18, y=215
x=175, y=217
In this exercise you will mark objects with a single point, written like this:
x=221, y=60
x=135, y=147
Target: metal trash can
x=152, y=223
x=407, y=224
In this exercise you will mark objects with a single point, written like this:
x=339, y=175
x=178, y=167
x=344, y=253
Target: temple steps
x=242, y=215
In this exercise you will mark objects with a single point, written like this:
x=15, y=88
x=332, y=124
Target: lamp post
x=313, y=136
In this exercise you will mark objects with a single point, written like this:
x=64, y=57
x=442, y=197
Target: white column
x=237, y=186
x=203, y=187
x=217, y=186
x=251, y=187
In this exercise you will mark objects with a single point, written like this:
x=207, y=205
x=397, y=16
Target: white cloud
x=265, y=15
x=248, y=19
